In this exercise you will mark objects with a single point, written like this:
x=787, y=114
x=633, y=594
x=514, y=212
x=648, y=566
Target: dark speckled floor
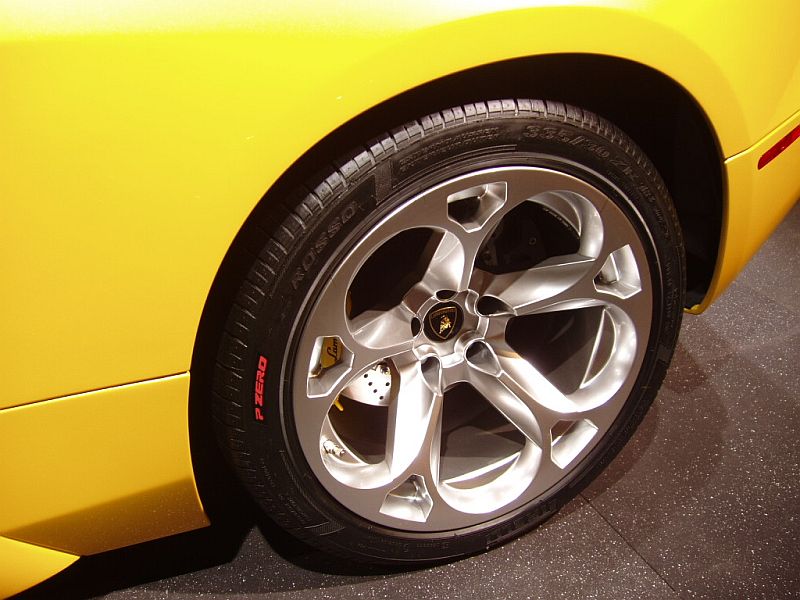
x=703, y=503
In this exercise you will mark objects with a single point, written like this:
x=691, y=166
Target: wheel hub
x=448, y=328
x=443, y=321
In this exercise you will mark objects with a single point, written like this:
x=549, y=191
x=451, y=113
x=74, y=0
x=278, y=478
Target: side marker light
x=782, y=145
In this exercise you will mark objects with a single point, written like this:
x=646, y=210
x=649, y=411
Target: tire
x=446, y=338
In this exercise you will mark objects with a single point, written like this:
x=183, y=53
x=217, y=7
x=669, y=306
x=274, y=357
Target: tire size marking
x=551, y=133
x=259, y=392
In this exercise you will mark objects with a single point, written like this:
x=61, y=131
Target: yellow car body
x=137, y=137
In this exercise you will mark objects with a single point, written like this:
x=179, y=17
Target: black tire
x=306, y=237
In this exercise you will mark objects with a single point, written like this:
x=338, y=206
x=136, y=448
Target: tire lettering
x=321, y=242
x=297, y=278
x=334, y=227
x=258, y=399
x=348, y=212
x=308, y=260
x=325, y=236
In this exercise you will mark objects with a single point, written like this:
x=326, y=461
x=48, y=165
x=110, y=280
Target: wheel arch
x=657, y=112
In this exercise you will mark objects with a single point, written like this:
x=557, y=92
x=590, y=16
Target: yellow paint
x=99, y=470
x=761, y=197
x=23, y=565
x=134, y=142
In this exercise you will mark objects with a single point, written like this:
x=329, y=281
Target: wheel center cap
x=443, y=321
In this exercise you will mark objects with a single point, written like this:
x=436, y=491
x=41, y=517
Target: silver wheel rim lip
x=526, y=478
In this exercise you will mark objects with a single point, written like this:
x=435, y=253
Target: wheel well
x=651, y=108
x=659, y=114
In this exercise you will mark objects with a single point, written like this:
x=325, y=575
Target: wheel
x=458, y=328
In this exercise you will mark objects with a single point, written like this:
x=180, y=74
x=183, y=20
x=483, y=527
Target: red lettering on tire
x=258, y=399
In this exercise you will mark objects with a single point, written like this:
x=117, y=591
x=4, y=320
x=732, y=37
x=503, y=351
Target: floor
x=704, y=502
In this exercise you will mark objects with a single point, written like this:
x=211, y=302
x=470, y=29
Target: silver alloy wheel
x=541, y=427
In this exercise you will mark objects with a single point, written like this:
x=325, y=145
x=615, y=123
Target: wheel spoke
x=414, y=418
x=514, y=408
x=530, y=401
x=564, y=283
x=519, y=391
x=408, y=488
x=382, y=330
x=464, y=215
x=447, y=265
x=525, y=292
x=548, y=404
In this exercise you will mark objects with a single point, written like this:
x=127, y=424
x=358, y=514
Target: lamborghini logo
x=442, y=322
